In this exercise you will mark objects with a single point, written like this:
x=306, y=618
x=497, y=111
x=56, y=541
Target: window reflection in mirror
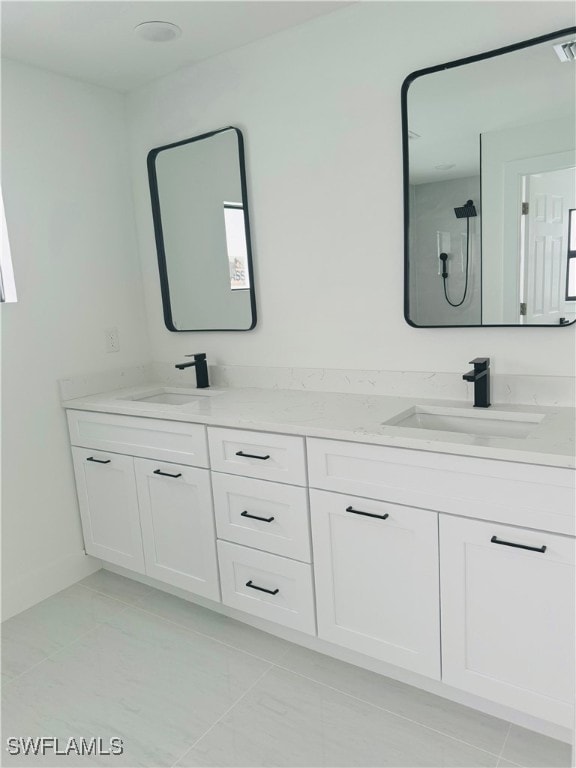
x=490, y=178
x=236, y=246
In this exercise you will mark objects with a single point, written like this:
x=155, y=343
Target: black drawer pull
x=261, y=589
x=251, y=456
x=367, y=514
x=255, y=517
x=166, y=474
x=99, y=461
x=496, y=540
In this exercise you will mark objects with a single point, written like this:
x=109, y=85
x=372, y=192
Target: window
x=571, y=263
x=7, y=285
x=236, y=244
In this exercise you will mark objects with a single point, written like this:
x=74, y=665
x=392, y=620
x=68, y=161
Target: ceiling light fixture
x=158, y=31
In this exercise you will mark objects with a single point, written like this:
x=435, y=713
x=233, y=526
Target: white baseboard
x=553, y=730
x=20, y=594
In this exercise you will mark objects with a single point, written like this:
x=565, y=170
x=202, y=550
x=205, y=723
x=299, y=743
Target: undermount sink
x=172, y=396
x=487, y=423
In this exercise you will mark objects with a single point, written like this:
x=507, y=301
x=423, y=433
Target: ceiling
x=93, y=40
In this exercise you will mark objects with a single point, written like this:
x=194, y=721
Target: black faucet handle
x=199, y=356
x=480, y=362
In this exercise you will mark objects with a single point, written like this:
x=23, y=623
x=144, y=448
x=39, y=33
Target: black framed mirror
x=489, y=151
x=201, y=224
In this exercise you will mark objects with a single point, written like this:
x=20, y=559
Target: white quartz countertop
x=352, y=417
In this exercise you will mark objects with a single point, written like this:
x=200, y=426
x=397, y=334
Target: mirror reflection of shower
x=435, y=229
x=466, y=211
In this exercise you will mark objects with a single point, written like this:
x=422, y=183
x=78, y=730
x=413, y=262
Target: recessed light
x=445, y=166
x=158, y=31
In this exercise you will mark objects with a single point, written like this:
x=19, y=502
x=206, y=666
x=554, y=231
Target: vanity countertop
x=352, y=417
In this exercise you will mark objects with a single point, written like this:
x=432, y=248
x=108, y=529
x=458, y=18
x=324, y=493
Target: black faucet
x=481, y=378
x=201, y=369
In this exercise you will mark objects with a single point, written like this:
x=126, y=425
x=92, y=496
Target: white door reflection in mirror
x=544, y=248
x=571, y=258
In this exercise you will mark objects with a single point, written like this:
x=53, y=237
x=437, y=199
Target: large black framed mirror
x=201, y=223
x=489, y=150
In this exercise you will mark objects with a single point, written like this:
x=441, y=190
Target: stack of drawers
x=262, y=521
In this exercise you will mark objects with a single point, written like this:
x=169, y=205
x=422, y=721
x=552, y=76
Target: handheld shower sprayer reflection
x=466, y=211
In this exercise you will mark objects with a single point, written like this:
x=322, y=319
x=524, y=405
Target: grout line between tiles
x=390, y=712
x=106, y=594
x=505, y=742
x=223, y=715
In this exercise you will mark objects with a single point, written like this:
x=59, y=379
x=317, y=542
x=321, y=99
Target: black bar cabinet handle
x=255, y=517
x=366, y=514
x=251, y=455
x=99, y=461
x=262, y=589
x=496, y=540
x=166, y=474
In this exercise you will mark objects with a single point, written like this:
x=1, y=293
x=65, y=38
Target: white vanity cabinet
x=143, y=511
x=376, y=572
x=108, y=501
x=506, y=623
x=508, y=615
x=457, y=568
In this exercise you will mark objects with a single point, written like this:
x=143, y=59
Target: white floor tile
x=114, y=585
x=286, y=720
x=51, y=625
x=441, y=714
x=215, y=625
x=148, y=682
x=177, y=681
x=532, y=750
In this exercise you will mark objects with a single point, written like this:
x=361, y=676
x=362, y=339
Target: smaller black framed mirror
x=201, y=224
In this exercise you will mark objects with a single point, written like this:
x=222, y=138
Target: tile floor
x=183, y=686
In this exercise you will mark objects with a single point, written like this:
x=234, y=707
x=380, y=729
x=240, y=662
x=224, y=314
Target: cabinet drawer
x=508, y=616
x=263, y=515
x=258, y=454
x=519, y=494
x=172, y=441
x=267, y=586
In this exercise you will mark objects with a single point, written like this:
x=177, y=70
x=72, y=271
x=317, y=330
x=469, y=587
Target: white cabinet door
x=178, y=526
x=109, y=507
x=376, y=572
x=508, y=615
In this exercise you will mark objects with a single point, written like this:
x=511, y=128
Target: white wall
x=70, y=218
x=320, y=109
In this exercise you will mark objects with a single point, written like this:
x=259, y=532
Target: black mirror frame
x=406, y=165
x=159, y=237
